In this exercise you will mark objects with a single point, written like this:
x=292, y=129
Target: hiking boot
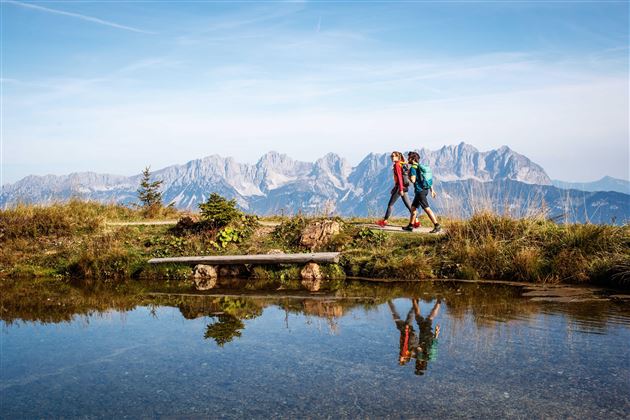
x=408, y=228
x=437, y=228
x=382, y=223
x=417, y=225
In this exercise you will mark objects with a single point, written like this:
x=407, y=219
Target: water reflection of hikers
x=401, y=185
x=427, y=342
x=422, y=347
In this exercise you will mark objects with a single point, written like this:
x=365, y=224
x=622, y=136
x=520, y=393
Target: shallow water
x=337, y=354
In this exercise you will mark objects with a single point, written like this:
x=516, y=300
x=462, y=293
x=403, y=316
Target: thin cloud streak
x=78, y=16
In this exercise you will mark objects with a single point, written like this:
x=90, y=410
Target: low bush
x=218, y=211
x=289, y=231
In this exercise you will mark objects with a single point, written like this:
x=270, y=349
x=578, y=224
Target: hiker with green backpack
x=422, y=178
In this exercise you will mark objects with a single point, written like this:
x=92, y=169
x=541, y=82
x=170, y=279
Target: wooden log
x=316, y=257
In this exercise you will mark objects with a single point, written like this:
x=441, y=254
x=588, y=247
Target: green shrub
x=289, y=232
x=228, y=235
x=218, y=211
x=369, y=237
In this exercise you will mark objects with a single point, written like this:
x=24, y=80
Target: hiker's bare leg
x=414, y=213
x=432, y=217
x=416, y=308
x=412, y=210
x=435, y=310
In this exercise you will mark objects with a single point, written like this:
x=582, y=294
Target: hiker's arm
x=433, y=194
x=392, y=308
x=412, y=175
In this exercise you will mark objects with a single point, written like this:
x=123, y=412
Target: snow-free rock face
x=275, y=170
x=461, y=162
x=278, y=184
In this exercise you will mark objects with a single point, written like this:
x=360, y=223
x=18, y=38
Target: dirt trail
x=143, y=223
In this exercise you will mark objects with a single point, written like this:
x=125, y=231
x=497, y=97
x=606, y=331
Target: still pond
x=446, y=349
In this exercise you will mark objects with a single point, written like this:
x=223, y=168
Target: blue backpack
x=425, y=176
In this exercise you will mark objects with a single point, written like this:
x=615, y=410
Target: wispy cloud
x=78, y=16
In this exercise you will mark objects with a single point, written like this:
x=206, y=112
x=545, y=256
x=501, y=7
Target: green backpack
x=425, y=176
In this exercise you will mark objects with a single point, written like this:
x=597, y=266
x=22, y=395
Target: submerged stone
x=311, y=277
x=205, y=277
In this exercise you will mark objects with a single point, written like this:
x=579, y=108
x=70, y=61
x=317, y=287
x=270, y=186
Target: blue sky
x=115, y=86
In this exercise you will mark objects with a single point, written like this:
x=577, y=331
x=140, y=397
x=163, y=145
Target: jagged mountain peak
x=465, y=147
x=274, y=159
x=461, y=147
x=332, y=160
x=328, y=178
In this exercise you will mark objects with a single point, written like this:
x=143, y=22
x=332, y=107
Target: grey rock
x=318, y=233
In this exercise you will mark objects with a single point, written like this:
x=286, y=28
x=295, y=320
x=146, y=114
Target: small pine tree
x=218, y=211
x=149, y=192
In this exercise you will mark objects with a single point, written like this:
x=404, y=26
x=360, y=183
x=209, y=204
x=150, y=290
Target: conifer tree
x=218, y=211
x=149, y=192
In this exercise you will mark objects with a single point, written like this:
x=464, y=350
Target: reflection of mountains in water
x=487, y=305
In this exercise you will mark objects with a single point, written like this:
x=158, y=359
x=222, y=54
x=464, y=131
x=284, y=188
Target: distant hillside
x=607, y=183
x=466, y=179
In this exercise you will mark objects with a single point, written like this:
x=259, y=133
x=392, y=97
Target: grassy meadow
x=75, y=240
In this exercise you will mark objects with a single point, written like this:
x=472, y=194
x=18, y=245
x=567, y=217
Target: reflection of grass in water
x=489, y=306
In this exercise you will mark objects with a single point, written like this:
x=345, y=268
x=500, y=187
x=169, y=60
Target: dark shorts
x=420, y=199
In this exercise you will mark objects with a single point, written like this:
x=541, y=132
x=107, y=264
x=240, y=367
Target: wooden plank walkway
x=316, y=257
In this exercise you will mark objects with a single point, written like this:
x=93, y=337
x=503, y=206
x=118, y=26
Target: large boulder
x=311, y=277
x=205, y=277
x=318, y=233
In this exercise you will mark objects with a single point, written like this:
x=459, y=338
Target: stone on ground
x=319, y=233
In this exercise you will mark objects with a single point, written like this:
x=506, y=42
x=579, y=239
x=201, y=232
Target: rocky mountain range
x=607, y=183
x=466, y=178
